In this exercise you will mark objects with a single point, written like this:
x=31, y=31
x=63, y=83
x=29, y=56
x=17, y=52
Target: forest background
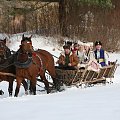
x=85, y=20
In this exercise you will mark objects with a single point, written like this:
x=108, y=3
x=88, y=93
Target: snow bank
x=95, y=103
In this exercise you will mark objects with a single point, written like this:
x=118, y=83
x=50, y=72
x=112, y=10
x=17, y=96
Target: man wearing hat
x=69, y=43
x=67, y=59
x=100, y=53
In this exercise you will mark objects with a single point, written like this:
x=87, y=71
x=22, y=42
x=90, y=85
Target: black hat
x=69, y=43
x=66, y=47
x=76, y=44
x=98, y=43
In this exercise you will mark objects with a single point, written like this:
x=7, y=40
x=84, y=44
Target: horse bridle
x=29, y=42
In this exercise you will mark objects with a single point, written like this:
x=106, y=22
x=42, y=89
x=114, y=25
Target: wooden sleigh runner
x=87, y=77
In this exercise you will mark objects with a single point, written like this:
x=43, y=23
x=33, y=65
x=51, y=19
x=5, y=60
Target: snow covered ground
x=94, y=103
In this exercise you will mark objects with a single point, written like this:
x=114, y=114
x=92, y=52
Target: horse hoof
x=10, y=95
x=48, y=91
x=26, y=92
x=1, y=92
x=15, y=95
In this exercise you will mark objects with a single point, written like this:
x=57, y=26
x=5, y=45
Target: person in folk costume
x=82, y=56
x=92, y=62
x=100, y=54
x=91, y=54
x=67, y=59
x=75, y=49
x=87, y=50
x=80, y=52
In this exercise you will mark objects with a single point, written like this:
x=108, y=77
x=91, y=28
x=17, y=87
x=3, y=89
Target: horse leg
x=55, y=81
x=33, y=86
x=30, y=87
x=10, y=88
x=45, y=82
x=34, y=89
x=19, y=81
x=25, y=85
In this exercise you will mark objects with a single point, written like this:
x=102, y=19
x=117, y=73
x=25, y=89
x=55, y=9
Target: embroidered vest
x=101, y=59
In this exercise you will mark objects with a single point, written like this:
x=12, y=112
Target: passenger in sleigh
x=100, y=54
x=75, y=49
x=67, y=59
x=81, y=54
x=88, y=61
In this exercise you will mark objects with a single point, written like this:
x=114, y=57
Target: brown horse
x=31, y=64
x=7, y=66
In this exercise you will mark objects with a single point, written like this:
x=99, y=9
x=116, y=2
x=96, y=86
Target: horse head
x=26, y=44
x=24, y=55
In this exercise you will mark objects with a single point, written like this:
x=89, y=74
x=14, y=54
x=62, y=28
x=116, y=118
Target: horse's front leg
x=19, y=81
x=25, y=85
x=33, y=86
x=10, y=88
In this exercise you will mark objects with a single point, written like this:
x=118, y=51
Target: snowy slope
x=95, y=103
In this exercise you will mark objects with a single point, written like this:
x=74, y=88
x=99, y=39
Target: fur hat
x=69, y=43
x=87, y=44
x=98, y=43
x=66, y=47
x=90, y=43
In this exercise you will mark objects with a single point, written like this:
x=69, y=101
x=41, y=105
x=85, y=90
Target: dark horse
x=7, y=66
x=31, y=64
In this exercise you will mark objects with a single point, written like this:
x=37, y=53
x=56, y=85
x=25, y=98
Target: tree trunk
x=24, y=23
x=63, y=17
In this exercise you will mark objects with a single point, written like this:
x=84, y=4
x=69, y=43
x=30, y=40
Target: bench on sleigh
x=87, y=77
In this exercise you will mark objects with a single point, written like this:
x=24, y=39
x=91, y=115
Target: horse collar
x=25, y=64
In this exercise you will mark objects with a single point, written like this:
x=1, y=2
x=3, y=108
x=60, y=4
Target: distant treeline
x=66, y=18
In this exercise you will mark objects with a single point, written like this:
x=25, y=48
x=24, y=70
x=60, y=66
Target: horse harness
x=41, y=63
x=29, y=61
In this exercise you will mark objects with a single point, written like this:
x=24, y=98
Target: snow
x=101, y=102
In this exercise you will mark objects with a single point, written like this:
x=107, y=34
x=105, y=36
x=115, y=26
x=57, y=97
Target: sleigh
x=81, y=77
x=87, y=77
